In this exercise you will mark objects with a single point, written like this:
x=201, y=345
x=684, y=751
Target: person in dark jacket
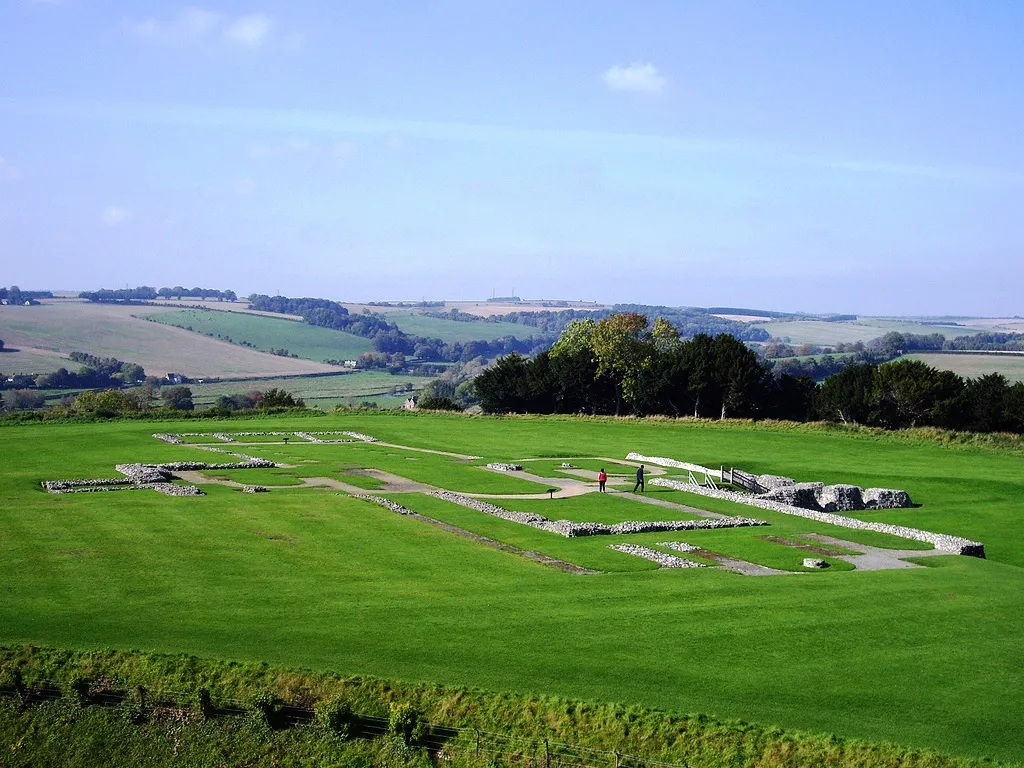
x=639, y=479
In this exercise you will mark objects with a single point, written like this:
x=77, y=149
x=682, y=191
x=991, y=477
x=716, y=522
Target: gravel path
x=875, y=558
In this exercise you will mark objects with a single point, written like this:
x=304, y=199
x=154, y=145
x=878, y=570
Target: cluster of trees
x=148, y=293
x=94, y=372
x=909, y=393
x=621, y=365
x=14, y=295
x=688, y=321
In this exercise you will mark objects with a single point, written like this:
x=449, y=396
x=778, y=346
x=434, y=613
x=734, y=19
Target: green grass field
x=926, y=657
x=862, y=329
x=322, y=392
x=974, y=366
x=119, y=331
x=307, y=341
x=451, y=331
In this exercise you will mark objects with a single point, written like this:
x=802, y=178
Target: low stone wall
x=85, y=486
x=394, y=506
x=661, y=558
x=498, y=466
x=571, y=529
x=941, y=541
x=312, y=437
x=662, y=461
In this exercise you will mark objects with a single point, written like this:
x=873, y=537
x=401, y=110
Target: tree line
x=14, y=295
x=149, y=293
x=688, y=320
x=623, y=365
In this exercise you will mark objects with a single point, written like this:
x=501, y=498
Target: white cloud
x=194, y=25
x=114, y=215
x=250, y=31
x=642, y=78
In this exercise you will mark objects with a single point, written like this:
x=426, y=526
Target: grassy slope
x=107, y=330
x=973, y=366
x=861, y=329
x=28, y=360
x=307, y=341
x=315, y=389
x=418, y=324
x=924, y=657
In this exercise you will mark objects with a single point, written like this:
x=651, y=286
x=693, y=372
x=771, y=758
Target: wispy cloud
x=335, y=124
x=339, y=151
x=250, y=31
x=194, y=25
x=114, y=215
x=642, y=78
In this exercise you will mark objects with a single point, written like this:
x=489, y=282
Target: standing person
x=639, y=479
x=602, y=478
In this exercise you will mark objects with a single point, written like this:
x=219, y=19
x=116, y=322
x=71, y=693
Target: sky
x=798, y=156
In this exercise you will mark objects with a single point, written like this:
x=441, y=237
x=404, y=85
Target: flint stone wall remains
x=500, y=467
x=661, y=558
x=571, y=529
x=941, y=541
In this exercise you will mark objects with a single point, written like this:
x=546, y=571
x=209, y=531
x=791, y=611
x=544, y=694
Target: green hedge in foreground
x=62, y=733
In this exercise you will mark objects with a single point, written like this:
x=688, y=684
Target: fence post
x=547, y=755
x=477, y=742
x=616, y=753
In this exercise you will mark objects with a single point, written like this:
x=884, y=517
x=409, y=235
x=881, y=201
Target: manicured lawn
x=314, y=578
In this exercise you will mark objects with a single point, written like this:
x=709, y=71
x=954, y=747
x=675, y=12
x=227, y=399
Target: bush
x=333, y=716
x=438, y=404
x=405, y=722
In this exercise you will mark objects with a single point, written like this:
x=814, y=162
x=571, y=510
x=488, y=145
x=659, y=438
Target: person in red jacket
x=602, y=478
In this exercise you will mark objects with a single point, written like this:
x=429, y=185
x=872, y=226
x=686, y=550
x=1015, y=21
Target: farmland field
x=863, y=329
x=451, y=331
x=114, y=331
x=307, y=341
x=30, y=360
x=973, y=366
x=322, y=392
x=311, y=577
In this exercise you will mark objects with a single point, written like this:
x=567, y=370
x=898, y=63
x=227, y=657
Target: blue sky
x=845, y=157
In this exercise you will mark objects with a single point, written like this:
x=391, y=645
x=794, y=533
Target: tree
x=624, y=352
x=109, y=402
x=905, y=393
x=986, y=399
x=501, y=386
x=279, y=398
x=24, y=400
x=847, y=395
x=178, y=398
x=743, y=379
x=435, y=403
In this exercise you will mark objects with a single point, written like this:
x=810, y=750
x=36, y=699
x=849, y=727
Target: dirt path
x=875, y=558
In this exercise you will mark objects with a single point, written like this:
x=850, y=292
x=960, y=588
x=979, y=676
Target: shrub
x=333, y=716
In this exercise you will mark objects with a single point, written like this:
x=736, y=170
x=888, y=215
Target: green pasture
x=418, y=324
x=862, y=329
x=324, y=392
x=313, y=578
x=307, y=341
x=32, y=361
x=968, y=366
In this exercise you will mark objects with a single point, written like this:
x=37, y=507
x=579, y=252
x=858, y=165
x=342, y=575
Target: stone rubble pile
x=661, y=558
x=84, y=486
x=500, y=467
x=172, y=439
x=814, y=562
x=885, y=498
x=394, y=506
x=144, y=473
x=774, y=481
x=255, y=489
x=679, y=546
x=941, y=541
x=570, y=529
